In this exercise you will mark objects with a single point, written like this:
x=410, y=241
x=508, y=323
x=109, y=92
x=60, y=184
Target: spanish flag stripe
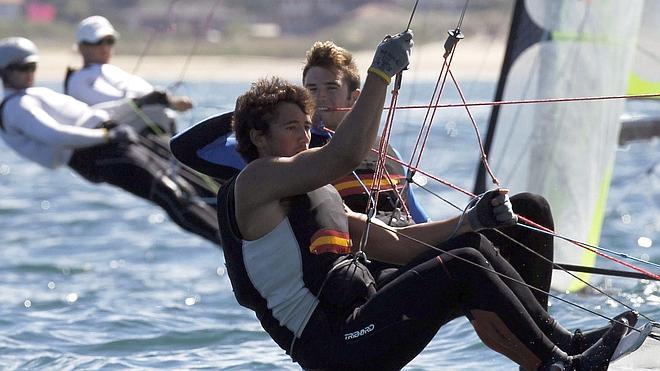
x=329, y=240
x=367, y=178
x=355, y=184
x=329, y=232
x=330, y=248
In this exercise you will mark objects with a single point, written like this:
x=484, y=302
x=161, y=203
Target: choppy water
x=93, y=278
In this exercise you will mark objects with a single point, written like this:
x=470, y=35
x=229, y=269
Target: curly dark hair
x=326, y=54
x=256, y=108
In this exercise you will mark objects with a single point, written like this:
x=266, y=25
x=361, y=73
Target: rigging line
x=554, y=264
x=491, y=270
x=567, y=271
x=412, y=14
x=460, y=21
x=152, y=37
x=193, y=50
x=437, y=179
x=484, y=158
x=373, y=199
x=367, y=190
x=450, y=48
x=470, y=116
x=605, y=272
x=437, y=100
x=525, y=101
x=573, y=241
x=399, y=194
x=372, y=202
x=424, y=122
x=584, y=244
x=597, y=250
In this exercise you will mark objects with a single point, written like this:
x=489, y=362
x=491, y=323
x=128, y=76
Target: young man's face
x=20, y=76
x=330, y=92
x=288, y=134
x=99, y=52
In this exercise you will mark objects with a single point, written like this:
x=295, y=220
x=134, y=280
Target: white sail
x=566, y=151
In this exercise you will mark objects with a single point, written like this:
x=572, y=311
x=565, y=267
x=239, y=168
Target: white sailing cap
x=17, y=50
x=94, y=28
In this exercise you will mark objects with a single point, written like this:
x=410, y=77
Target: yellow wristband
x=106, y=134
x=381, y=74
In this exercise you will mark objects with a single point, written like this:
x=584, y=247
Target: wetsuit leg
x=398, y=322
x=138, y=171
x=547, y=324
x=205, y=187
x=535, y=270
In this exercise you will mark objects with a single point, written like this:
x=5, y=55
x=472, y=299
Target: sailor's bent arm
x=401, y=245
x=384, y=242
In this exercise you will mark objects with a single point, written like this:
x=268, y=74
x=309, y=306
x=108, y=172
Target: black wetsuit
x=382, y=326
x=142, y=172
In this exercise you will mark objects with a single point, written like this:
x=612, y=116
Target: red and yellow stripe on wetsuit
x=348, y=185
x=328, y=240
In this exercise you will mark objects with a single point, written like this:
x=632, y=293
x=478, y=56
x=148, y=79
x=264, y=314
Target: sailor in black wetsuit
x=54, y=130
x=287, y=237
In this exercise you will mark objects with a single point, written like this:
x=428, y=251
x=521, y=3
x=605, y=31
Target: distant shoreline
x=475, y=59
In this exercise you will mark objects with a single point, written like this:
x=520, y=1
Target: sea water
x=94, y=278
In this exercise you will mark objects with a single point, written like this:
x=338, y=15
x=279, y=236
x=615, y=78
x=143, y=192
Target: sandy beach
x=478, y=58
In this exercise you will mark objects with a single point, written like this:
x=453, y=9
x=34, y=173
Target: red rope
x=595, y=251
x=523, y=101
x=152, y=37
x=484, y=158
x=534, y=224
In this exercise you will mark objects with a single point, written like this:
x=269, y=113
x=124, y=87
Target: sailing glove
x=491, y=209
x=155, y=97
x=392, y=55
x=122, y=134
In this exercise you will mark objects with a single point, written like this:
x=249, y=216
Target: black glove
x=110, y=124
x=155, y=97
x=122, y=134
x=491, y=209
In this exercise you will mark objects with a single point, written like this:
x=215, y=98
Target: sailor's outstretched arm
x=288, y=176
x=399, y=245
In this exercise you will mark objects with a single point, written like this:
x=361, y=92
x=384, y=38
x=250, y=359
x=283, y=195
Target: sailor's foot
x=581, y=341
x=597, y=357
